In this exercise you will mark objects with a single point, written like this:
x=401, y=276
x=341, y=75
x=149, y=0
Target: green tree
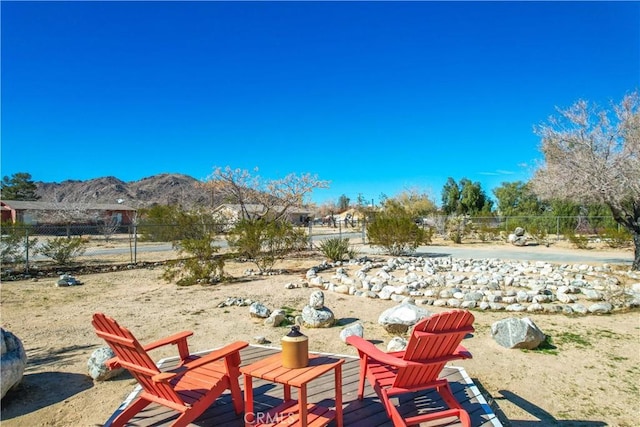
x=473, y=199
x=343, y=203
x=592, y=155
x=517, y=199
x=18, y=187
x=450, y=197
x=394, y=229
x=464, y=198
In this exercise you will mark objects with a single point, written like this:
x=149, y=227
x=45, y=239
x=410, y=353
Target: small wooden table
x=293, y=412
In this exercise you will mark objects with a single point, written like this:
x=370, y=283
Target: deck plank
x=368, y=412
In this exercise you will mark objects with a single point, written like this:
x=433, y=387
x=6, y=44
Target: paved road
x=524, y=253
x=479, y=251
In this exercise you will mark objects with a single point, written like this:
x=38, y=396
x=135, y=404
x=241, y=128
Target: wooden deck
x=366, y=413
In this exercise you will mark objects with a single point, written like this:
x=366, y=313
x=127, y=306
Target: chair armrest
x=113, y=363
x=172, y=339
x=226, y=351
x=462, y=353
x=365, y=347
x=163, y=377
x=231, y=350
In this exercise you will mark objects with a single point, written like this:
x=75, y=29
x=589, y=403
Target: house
x=231, y=213
x=52, y=213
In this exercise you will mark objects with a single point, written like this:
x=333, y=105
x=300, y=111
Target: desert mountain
x=163, y=189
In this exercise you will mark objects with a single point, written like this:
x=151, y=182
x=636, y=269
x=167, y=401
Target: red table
x=293, y=412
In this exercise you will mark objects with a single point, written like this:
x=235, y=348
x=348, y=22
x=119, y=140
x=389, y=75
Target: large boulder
x=397, y=344
x=601, y=308
x=315, y=314
x=259, y=310
x=317, y=317
x=316, y=300
x=398, y=319
x=276, y=318
x=517, y=333
x=13, y=361
x=97, y=367
x=356, y=329
x=67, y=280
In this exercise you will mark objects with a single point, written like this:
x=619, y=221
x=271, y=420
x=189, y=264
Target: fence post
x=26, y=251
x=130, y=244
x=311, y=235
x=135, y=243
x=557, y=229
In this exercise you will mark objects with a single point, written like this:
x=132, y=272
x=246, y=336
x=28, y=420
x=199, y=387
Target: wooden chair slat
x=433, y=342
x=196, y=384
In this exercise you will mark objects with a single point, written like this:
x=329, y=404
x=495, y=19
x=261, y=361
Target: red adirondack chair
x=434, y=341
x=189, y=389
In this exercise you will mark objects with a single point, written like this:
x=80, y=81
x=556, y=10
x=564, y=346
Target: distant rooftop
x=51, y=206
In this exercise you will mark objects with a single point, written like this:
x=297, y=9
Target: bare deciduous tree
x=262, y=232
x=108, y=225
x=593, y=155
x=274, y=197
x=416, y=201
x=67, y=214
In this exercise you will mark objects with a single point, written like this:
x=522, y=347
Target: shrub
x=63, y=249
x=485, y=233
x=580, y=241
x=616, y=237
x=203, y=267
x=538, y=233
x=395, y=230
x=265, y=241
x=335, y=248
x=457, y=227
x=14, y=244
x=455, y=236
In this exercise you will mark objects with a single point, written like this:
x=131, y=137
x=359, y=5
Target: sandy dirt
x=592, y=378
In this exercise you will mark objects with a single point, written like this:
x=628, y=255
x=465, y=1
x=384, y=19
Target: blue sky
x=376, y=97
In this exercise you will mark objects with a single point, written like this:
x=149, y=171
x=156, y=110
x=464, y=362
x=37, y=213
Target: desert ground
x=591, y=379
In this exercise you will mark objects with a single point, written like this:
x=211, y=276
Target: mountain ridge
x=160, y=189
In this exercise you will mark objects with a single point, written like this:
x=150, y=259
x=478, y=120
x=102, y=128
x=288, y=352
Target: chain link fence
x=30, y=247
x=24, y=247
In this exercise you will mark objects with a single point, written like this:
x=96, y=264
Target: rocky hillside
x=160, y=189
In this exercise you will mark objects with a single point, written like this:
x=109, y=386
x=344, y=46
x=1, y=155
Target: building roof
x=36, y=205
